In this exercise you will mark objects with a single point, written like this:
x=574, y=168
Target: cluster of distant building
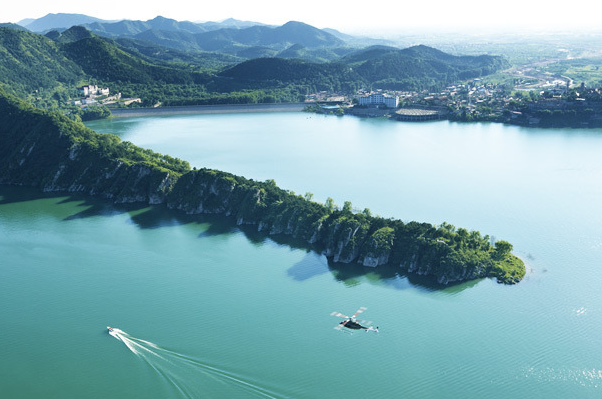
x=367, y=99
x=91, y=91
x=89, y=94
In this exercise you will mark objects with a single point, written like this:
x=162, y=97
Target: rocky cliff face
x=442, y=275
x=74, y=167
x=276, y=212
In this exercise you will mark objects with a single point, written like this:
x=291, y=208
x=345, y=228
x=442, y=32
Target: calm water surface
x=213, y=311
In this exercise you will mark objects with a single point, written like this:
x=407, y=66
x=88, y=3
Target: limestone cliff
x=446, y=253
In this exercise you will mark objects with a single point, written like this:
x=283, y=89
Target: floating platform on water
x=418, y=114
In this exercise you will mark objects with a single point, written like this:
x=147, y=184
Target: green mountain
x=282, y=70
x=154, y=53
x=179, y=40
x=317, y=55
x=104, y=60
x=70, y=35
x=255, y=52
x=48, y=151
x=368, y=53
x=418, y=67
x=31, y=64
x=423, y=67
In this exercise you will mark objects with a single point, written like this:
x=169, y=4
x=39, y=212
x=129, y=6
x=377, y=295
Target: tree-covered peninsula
x=47, y=150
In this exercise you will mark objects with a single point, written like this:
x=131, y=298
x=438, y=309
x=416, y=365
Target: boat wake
x=179, y=370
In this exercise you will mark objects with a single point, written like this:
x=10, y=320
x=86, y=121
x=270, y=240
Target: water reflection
x=392, y=277
x=13, y=194
x=353, y=274
x=313, y=264
x=146, y=216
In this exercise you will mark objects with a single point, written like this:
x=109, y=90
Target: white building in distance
x=93, y=90
x=379, y=99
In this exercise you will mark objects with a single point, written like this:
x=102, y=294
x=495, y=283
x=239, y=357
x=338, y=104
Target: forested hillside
x=423, y=67
x=415, y=68
x=103, y=60
x=32, y=65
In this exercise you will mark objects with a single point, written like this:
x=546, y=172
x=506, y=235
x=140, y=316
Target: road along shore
x=206, y=109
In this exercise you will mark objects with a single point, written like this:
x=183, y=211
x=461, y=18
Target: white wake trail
x=221, y=373
x=174, y=367
x=147, y=355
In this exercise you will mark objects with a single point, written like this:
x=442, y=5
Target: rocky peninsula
x=49, y=151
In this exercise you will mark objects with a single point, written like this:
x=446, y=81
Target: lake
x=206, y=309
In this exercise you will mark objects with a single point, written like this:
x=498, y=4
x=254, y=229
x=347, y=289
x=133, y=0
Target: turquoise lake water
x=210, y=311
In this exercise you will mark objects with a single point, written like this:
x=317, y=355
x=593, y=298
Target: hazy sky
x=348, y=16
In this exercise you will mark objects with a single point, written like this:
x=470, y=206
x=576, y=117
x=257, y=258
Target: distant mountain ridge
x=292, y=32
x=63, y=21
x=132, y=28
x=13, y=26
x=58, y=21
x=229, y=23
x=190, y=36
x=238, y=38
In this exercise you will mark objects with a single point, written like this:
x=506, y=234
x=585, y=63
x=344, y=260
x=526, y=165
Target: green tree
x=330, y=206
x=502, y=249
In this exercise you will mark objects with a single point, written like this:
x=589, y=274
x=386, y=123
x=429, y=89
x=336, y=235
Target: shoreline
x=206, y=109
